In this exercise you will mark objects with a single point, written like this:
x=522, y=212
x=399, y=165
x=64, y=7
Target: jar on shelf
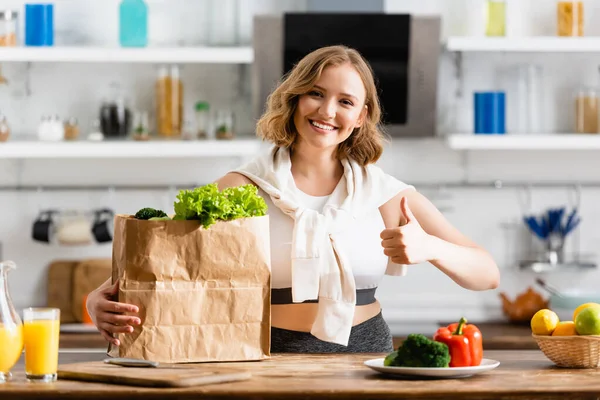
x=496, y=18
x=115, y=115
x=133, y=23
x=141, y=126
x=202, y=119
x=8, y=28
x=569, y=16
x=223, y=25
x=587, y=108
x=169, y=101
x=224, y=125
x=4, y=129
x=71, y=129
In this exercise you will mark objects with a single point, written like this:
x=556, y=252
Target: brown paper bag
x=203, y=294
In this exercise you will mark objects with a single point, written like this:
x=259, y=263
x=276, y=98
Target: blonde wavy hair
x=276, y=125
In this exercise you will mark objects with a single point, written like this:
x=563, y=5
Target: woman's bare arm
x=444, y=246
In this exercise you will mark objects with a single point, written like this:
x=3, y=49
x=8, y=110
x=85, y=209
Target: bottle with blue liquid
x=133, y=23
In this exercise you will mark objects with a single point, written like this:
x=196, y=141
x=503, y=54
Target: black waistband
x=284, y=296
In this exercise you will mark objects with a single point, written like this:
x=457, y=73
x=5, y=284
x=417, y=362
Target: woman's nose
x=327, y=109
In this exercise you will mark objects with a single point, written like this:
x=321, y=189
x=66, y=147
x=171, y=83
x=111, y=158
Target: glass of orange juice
x=41, y=328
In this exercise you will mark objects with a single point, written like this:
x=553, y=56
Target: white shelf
x=524, y=44
x=179, y=55
x=130, y=149
x=526, y=141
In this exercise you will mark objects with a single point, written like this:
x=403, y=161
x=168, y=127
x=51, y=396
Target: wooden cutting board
x=177, y=375
x=59, y=288
x=87, y=276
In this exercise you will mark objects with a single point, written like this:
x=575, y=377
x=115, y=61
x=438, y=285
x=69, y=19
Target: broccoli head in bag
x=148, y=212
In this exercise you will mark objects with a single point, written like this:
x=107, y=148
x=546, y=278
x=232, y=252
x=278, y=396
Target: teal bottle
x=133, y=23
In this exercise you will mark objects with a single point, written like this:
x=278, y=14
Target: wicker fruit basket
x=571, y=351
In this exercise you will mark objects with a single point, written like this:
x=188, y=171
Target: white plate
x=454, y=372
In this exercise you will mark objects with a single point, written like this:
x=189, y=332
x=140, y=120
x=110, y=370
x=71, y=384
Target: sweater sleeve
x=394, y=269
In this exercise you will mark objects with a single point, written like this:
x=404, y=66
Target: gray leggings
x=371, y=336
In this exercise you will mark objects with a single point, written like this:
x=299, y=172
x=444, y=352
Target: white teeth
x=326, y=127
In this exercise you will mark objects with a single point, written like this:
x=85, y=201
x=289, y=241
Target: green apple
x=588, y=321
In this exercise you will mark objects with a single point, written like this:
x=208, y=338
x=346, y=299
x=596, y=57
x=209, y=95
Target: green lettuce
x=208, y=205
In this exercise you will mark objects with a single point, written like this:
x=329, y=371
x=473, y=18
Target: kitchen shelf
x=524, y=44
x=130, y=149
x=525, y=141
x=180, y=55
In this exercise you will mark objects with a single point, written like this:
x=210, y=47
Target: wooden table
x=521, y=375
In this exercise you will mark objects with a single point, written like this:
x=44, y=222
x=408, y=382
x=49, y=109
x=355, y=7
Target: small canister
x=71, y=129
x=39, y=24
x=8, y=28
x=489, y=112
x=224, y=125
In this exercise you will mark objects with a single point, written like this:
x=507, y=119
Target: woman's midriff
x=300, y=317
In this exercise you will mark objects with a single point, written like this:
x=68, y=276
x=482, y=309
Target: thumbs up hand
x=408, y=243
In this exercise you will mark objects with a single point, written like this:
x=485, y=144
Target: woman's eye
x=314, y=93
x=347, y=102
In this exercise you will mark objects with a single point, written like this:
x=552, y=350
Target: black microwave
x=403, y=51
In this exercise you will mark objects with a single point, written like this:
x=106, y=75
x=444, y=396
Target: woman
x=338, y=223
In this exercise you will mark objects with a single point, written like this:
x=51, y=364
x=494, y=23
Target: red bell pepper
x=464, y=342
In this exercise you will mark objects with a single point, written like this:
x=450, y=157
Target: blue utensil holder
x=39, y=25
x=490, y=110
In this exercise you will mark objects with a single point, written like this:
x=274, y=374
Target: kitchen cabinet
x=496, y=336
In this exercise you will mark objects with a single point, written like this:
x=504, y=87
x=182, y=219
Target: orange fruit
x=565, y=328
x=544, y=322
x=582, y=307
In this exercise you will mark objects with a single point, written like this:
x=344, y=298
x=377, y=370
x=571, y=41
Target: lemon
x=544, y=322
x=565, y=328
x=582, y=307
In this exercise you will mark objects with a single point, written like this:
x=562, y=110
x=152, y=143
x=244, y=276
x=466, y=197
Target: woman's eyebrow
x=343, y=94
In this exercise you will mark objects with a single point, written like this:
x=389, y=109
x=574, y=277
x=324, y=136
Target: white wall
x=490, y=216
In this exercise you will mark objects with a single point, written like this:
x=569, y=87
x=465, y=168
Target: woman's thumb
x=406, y=211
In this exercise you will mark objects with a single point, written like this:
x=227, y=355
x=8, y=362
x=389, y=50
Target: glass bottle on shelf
x=95, y=131
x=496, y=18
x=9, y=28
x=133, y=23
x=224, y=125
x=202, y=119
x=141, y=128
x=4, y=129
x=587, y=107
x=169, y=101
x=223, y=23
x=11, y=327
x=569, y=18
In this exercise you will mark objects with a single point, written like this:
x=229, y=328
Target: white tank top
x=361, y=243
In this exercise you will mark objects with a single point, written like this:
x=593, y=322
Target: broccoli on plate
x=419, y=351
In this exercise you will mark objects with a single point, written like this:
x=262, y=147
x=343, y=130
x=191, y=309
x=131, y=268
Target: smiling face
x=330, y=111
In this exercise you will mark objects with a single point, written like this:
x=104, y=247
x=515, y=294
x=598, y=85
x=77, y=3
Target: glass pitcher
x=11, y=328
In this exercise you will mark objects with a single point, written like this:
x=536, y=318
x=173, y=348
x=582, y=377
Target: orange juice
x=41, y=346
x=11, y=346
